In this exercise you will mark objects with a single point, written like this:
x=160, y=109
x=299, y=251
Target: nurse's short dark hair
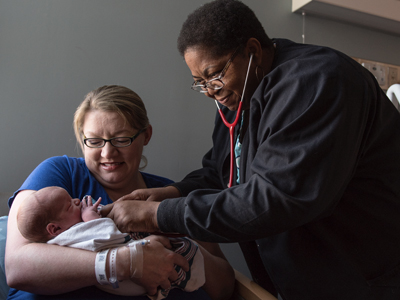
x=221, y=26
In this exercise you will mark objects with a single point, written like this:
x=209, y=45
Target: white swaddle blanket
x=100, y=234
x=94, y=235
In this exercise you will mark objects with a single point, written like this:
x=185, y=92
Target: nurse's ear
x=253, y=46
x=147, y=134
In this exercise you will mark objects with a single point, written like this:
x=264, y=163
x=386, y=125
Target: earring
x=257, y=73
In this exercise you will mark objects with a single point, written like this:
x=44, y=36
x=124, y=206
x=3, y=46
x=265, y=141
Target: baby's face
x=69, y=209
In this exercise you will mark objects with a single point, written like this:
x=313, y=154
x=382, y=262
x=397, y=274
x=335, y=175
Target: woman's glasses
x=119, y=142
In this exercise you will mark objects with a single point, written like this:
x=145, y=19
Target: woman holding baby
x=112, y=127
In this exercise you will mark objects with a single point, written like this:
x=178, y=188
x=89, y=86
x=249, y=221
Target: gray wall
x=52, y=52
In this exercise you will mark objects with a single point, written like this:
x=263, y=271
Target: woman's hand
x=153, y=194
x=159, y=265
x=42, y=262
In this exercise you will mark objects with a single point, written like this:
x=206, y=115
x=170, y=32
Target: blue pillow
x=3, y=235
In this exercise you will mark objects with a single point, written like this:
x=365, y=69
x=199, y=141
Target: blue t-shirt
x=72, y=174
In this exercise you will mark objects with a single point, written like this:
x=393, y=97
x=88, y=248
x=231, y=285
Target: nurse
x=315, y=197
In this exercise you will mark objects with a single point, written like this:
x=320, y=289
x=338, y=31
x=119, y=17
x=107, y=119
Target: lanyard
x=231, y=126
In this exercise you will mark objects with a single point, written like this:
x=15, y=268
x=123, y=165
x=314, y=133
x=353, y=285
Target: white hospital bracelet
x=100, y=267
x=113, y=268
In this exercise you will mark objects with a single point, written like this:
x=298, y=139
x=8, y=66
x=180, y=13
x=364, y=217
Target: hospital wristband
x=113, y=268
x=100, y=267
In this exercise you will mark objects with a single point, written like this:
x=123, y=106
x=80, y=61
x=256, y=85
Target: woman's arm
x=42, y=263
x=51, y=269
x=220, y=277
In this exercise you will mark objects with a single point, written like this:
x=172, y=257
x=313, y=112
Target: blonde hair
x=112, y=98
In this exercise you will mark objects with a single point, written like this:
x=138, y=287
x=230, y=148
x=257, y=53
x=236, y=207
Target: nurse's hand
x=153, y=194
x=133, y=215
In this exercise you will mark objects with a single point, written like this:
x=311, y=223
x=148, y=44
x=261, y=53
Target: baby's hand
x=89, y=211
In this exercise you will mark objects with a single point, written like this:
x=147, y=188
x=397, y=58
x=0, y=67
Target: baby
x=51, y=215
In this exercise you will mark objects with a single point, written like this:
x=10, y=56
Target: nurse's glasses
x=215, y=83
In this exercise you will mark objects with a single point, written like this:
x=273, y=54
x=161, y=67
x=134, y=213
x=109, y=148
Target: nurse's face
x=204, y=66
x=115, y=168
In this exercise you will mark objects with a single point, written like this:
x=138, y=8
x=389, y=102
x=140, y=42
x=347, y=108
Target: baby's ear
x=53, y=229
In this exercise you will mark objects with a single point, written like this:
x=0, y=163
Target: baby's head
x=46, y=213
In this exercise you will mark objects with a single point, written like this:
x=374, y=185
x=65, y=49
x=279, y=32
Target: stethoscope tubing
x=231, y=126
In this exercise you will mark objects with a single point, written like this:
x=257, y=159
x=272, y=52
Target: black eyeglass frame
x=203, y=88
x=131, y=138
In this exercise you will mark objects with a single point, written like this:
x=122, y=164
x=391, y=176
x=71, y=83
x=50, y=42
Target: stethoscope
x=231, y=126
